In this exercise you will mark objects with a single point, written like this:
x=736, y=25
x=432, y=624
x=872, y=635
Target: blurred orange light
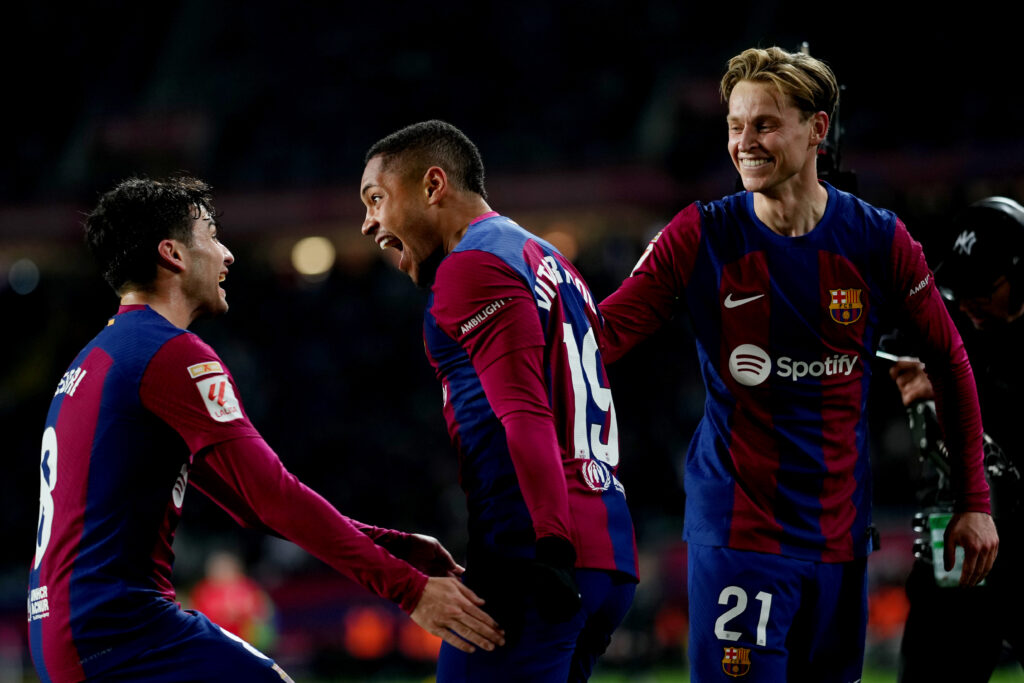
x=369, y=632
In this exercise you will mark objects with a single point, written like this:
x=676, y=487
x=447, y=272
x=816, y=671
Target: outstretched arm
x=648, y=297
x=248, y=479
x=189, y=387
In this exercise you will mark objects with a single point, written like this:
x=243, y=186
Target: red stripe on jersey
x=755, y=457
x=842, y=396
x=75, y=428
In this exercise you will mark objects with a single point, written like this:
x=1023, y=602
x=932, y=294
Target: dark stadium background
x=597, y=122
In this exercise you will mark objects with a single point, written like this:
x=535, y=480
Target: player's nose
x=370, y=225
x=748, y=137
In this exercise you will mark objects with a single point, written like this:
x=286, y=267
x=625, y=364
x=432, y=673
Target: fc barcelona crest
x=845, y=306
x=736, y=661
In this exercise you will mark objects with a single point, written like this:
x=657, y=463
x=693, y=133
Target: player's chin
x=221, y=306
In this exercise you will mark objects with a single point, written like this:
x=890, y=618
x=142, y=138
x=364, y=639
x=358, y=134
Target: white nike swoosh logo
x=733, y=303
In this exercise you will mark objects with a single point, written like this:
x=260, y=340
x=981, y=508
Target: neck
x=457, y=220
x=792, y=210
x=172, y=307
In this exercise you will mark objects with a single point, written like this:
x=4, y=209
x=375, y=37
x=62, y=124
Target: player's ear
x=171, y=255
x=819, y=128
x=435, y=184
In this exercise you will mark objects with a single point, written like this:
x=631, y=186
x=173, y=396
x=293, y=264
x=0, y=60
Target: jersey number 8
x=47, y=482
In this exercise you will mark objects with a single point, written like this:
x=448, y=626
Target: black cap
x=988, y=243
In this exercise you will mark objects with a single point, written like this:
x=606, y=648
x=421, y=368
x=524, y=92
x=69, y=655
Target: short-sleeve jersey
x=502, y=290
x=786, y=328
x=113, y=475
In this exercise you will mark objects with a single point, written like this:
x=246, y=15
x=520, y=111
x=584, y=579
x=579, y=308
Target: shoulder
x=852, y=209
x=190, y=354
x=133, y=338
x=499, y=236
x=495, y=248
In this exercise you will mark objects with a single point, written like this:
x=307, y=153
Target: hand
x=553, y=579
x=426, y=554
x=976, y=533
x=452, y=612
x=912, y=381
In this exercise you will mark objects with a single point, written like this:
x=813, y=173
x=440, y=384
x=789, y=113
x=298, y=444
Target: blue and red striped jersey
x=113, y=478
x=510, y=329
x=786, y=328
x=144, y=411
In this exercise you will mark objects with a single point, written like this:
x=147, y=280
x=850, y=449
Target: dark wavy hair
x=416, y=148
x=129, y=221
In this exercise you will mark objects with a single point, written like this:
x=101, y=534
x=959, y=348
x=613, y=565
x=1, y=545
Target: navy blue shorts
x=202, y=652
x=540, y=652
x=770, y=618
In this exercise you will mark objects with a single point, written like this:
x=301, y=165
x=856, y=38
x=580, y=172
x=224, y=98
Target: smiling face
x=396, y=217
x=772, y=143
x=208, y=262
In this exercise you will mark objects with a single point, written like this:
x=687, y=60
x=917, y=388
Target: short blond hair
x=809, y=81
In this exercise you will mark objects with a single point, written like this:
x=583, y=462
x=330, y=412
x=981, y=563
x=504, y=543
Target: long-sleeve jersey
x=510, y=329
x=786, y=328
x=145, y=409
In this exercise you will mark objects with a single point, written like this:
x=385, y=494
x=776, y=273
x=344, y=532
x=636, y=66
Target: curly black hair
x=129, y=221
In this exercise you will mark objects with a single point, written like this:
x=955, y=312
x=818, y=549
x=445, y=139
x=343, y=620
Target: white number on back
x=584, y=370
x=47, y=482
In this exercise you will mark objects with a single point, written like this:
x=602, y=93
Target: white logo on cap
x=965, y=242
x=750, y=365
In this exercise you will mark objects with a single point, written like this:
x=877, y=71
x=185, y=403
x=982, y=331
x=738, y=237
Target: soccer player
x=956, y=634
x=785, y=284
x=510, y=329
x=146, y=409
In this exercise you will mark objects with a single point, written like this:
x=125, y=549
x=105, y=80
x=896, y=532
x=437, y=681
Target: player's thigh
x=606, y=598
x=203, y=652
x=826, y=639
x=741, y=607
x=543, y=653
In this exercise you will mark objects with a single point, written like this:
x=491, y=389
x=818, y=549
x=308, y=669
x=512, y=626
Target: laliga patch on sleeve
x=208, y=368
x=219, y=397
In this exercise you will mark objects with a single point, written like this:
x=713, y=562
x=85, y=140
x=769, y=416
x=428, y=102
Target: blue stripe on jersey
x=508, y=241
x=848, y=233
x=498, y=516
x=111, y=580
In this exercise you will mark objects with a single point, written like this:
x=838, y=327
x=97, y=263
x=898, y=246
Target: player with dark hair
x=784, y=284
x=146, y=409
x=983, y=276
x=510, y=330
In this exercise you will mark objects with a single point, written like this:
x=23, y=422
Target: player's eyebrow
x=366, y=187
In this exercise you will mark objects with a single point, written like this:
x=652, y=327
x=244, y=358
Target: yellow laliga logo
x=845, y=305
x=736, y=661
x=200, y=369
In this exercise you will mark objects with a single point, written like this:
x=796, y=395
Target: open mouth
x=390, y=241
